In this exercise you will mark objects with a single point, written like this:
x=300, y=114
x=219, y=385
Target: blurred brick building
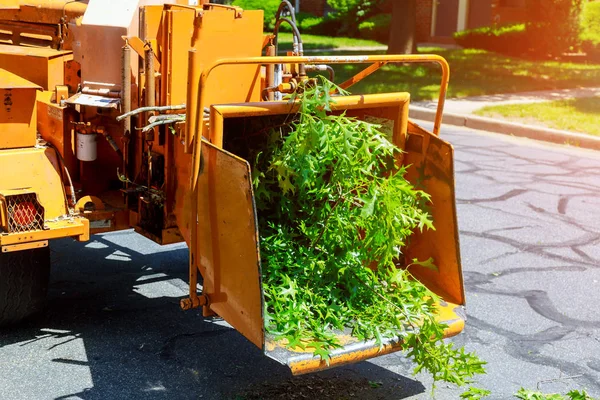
x=437, y=20
x=316, y=7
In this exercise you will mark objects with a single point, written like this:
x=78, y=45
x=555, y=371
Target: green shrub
x=307, y=23
x=553, y=29
x=376, y=28
x=349, y=14
x=268, y=6
x=554, y=25
x=344, y=7
x=590, y=23
x=510, y=39
x=590, y=30
x=327, y=26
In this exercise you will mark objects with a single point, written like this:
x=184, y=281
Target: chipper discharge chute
x=139, y=117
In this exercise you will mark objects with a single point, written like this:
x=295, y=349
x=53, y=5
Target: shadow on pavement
x=119, y=294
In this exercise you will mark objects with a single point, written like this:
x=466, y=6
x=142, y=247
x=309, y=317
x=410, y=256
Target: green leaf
x=369, y=206
x=429, y=264
x=474, y=393
x=525, y=394
x=321, y=350
x=375, y=384
x=577, y=395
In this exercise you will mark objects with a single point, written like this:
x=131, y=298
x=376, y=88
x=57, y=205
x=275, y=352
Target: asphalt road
x=529, y=217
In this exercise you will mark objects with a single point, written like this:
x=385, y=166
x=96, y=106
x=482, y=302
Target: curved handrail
x=193, y=109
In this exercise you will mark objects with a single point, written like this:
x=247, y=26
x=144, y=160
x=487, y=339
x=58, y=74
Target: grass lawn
x=324, y=42
x=579, y=115
x=472, y=72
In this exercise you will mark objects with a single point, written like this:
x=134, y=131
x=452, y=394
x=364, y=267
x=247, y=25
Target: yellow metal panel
x=10, y=5
x=17, y=111
x=432, y=164
x=10, y=80
x=357, y=104
x=38, y=52
x=216, y=35
x=219, y=37
x=179, y=32
x=76, y=227
x=352, y=351
x=182, y=196
x=24, y=246
x=3, y=215
x=56, y=71
x=42, y=66
x=227, y=248
x=45, y=12
x=38, y=172
x=151, y=16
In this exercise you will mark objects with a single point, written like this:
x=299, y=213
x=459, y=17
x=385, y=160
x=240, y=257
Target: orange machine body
x=69, y=69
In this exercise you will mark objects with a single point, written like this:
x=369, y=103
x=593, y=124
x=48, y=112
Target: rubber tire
x=24, y=277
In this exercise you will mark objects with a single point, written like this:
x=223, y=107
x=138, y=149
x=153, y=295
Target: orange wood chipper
x=119, y=114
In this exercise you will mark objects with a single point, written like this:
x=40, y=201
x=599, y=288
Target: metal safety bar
x=377, y=60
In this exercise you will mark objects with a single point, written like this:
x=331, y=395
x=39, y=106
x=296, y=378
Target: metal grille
x=24, y=213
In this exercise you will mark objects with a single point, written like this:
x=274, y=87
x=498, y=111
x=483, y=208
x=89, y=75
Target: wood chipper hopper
x=134, y=114
x=225, y=245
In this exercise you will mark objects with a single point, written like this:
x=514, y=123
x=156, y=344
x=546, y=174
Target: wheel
x=24, y=279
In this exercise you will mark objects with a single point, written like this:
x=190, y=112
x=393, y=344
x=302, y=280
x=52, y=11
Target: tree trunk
x=403, y=27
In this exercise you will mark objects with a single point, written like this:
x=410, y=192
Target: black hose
x=282, y=5
x=297, y=40
x=295, y=31
x=64, y=165
x=331, y=73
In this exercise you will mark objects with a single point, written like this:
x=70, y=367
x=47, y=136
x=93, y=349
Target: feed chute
x=225, y=248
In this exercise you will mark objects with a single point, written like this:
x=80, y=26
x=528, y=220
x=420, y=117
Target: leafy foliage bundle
x=332, y=204
x=524, y=394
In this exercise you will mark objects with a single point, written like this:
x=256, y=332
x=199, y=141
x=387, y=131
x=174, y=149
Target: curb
x=509, y=128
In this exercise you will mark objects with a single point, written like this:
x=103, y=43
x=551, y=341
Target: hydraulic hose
x=298, y=46
x=64, y=166
x=282, y=5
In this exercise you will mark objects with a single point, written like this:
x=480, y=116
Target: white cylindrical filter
x=87, y=148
